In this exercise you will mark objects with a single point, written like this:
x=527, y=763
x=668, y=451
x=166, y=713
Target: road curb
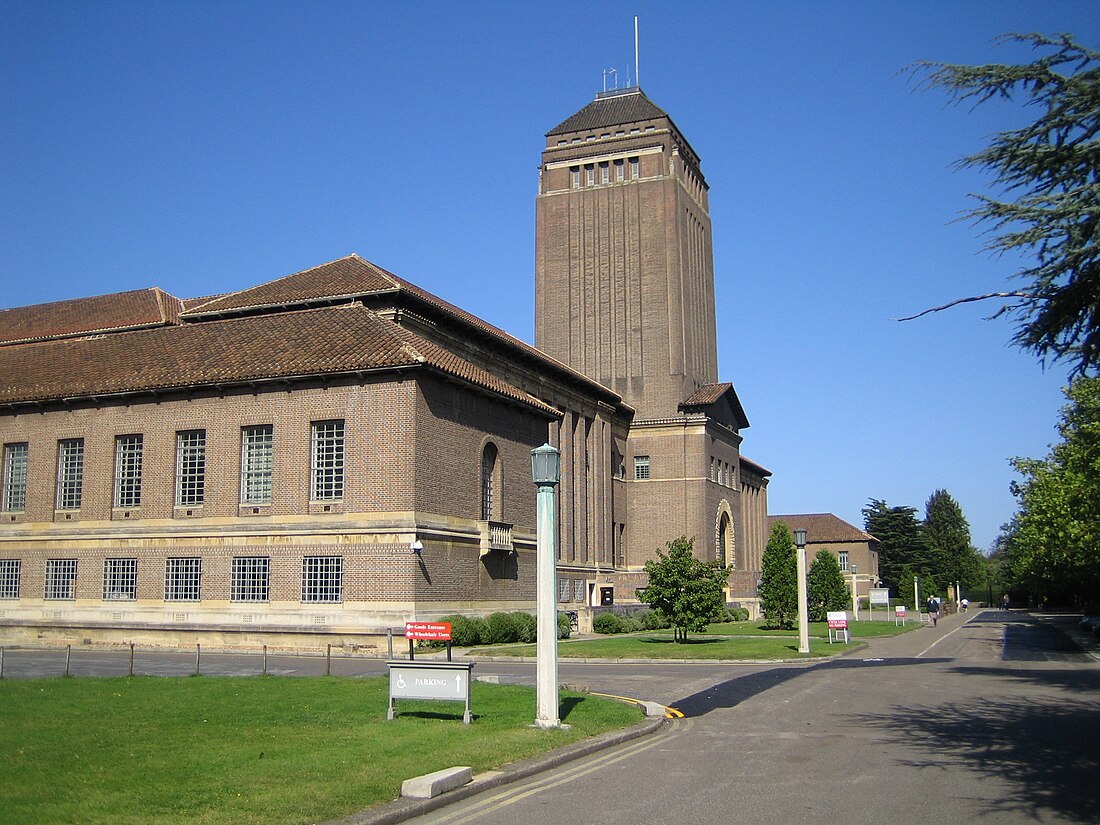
x=404, y=809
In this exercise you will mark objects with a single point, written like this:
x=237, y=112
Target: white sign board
x=880, y=595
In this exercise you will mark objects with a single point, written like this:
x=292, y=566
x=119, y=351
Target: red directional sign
x=428, y=631
x=838, y=620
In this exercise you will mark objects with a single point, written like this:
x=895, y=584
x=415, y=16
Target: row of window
x=571, y=590
x=257, y=468
x=605, y=169
x=250, y=581
x=721, y=472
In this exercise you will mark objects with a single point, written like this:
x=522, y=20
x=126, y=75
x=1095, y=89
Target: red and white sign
x=838, y=620
x=428, y=631
x=899, y=611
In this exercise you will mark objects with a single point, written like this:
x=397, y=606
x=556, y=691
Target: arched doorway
x=724, y=545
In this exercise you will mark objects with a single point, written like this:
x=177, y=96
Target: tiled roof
x=346, y=339
x=710, y=394
x=707, y=394
x=342, y=279
x=613, y=110
x=87, y=316
x=353, y=277
x=823, y=527
x=759, y=469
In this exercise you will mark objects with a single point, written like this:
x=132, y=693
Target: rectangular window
x=257, y=463
x=842, y=557
x=619, y=169
x=635, y=169
x=327, y=461
x=575, y=177
x=641, y=467
x=10, y=569
x=60, y=579
x=128, y=449
x=15, y=477
x=589, y=175
x=605, y=172
x=563, y=590
x=190, y=467
x=323, y=579
x=70, y=473
x=182, y=579
x=119, y=580
x=578, y=590
x=251, y=575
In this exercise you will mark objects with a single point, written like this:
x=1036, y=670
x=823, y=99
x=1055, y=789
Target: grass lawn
x=660, y=646
x=727, y=640
x=229, y=751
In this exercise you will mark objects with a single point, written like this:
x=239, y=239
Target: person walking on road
x=933, y=609
x=1004, y=602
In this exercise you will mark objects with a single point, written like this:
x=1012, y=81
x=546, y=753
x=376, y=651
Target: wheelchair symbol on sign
x=400, y=682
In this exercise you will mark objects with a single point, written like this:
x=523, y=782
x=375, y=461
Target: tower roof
x=611, y=109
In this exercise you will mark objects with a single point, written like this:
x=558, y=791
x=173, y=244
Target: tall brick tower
x=624, y=288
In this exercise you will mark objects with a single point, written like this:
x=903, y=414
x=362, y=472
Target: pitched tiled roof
x=823, y=527
x=707, y=394
x=87, y=316
x=351, y=278
x=346, y=339
x=630, y=106
x=752, y=465
x=336, y=281
x=710, y=394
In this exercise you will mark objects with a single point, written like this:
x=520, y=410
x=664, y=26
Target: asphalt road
x=989, y=717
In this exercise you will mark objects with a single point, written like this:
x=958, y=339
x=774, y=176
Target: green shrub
x=653, y=620
x=608, y=623
x=501, y=629
x=564, y=626
x=527, y=627
x=466, y=631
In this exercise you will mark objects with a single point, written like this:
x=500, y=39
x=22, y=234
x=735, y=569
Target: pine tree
x=779, y=579
x=903, y=549
x=825, y=587
x=1047, y=171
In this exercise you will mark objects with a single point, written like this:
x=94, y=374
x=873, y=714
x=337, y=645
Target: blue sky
x=205, y=147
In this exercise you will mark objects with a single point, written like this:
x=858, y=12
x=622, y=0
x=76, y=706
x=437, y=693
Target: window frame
x=59, y=581
x=327, y=455
x=70, y=474
x=844, y=561
x=11, y=574
x=257, y=463
x=250, y=579
x=183, y=579
x=322, y=580
x=641, y=468
x=190, y=468
x=120, y=579
x=129, y=458
x=16, y=469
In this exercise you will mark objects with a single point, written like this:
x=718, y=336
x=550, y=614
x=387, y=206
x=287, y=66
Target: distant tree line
x=936, y=552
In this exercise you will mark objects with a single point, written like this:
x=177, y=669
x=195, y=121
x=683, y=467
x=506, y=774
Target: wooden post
x=265, y=660
x=198, y=653
x=68, y=653
x=131, y=673
x=328, y=660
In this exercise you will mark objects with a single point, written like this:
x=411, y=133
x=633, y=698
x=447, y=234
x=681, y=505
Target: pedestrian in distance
x=1004, y=602
x=933, y=610
x=965, y=603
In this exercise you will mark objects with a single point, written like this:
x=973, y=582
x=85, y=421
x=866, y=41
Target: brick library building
x=334, y=452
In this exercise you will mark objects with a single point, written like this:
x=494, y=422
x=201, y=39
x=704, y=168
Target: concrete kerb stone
x=405, y=809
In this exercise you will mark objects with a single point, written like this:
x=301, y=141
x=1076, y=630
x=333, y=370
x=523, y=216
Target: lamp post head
x=800, y=538
x=545, y=465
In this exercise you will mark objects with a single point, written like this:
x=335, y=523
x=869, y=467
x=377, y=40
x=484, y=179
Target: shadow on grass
x=1046, y=752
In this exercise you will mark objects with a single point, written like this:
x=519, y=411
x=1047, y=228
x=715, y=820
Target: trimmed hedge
x=497, y=629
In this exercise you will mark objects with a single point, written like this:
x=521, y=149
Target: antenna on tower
x=637, y=81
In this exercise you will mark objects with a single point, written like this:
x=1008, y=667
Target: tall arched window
x=489, y=484
x=723, y=540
